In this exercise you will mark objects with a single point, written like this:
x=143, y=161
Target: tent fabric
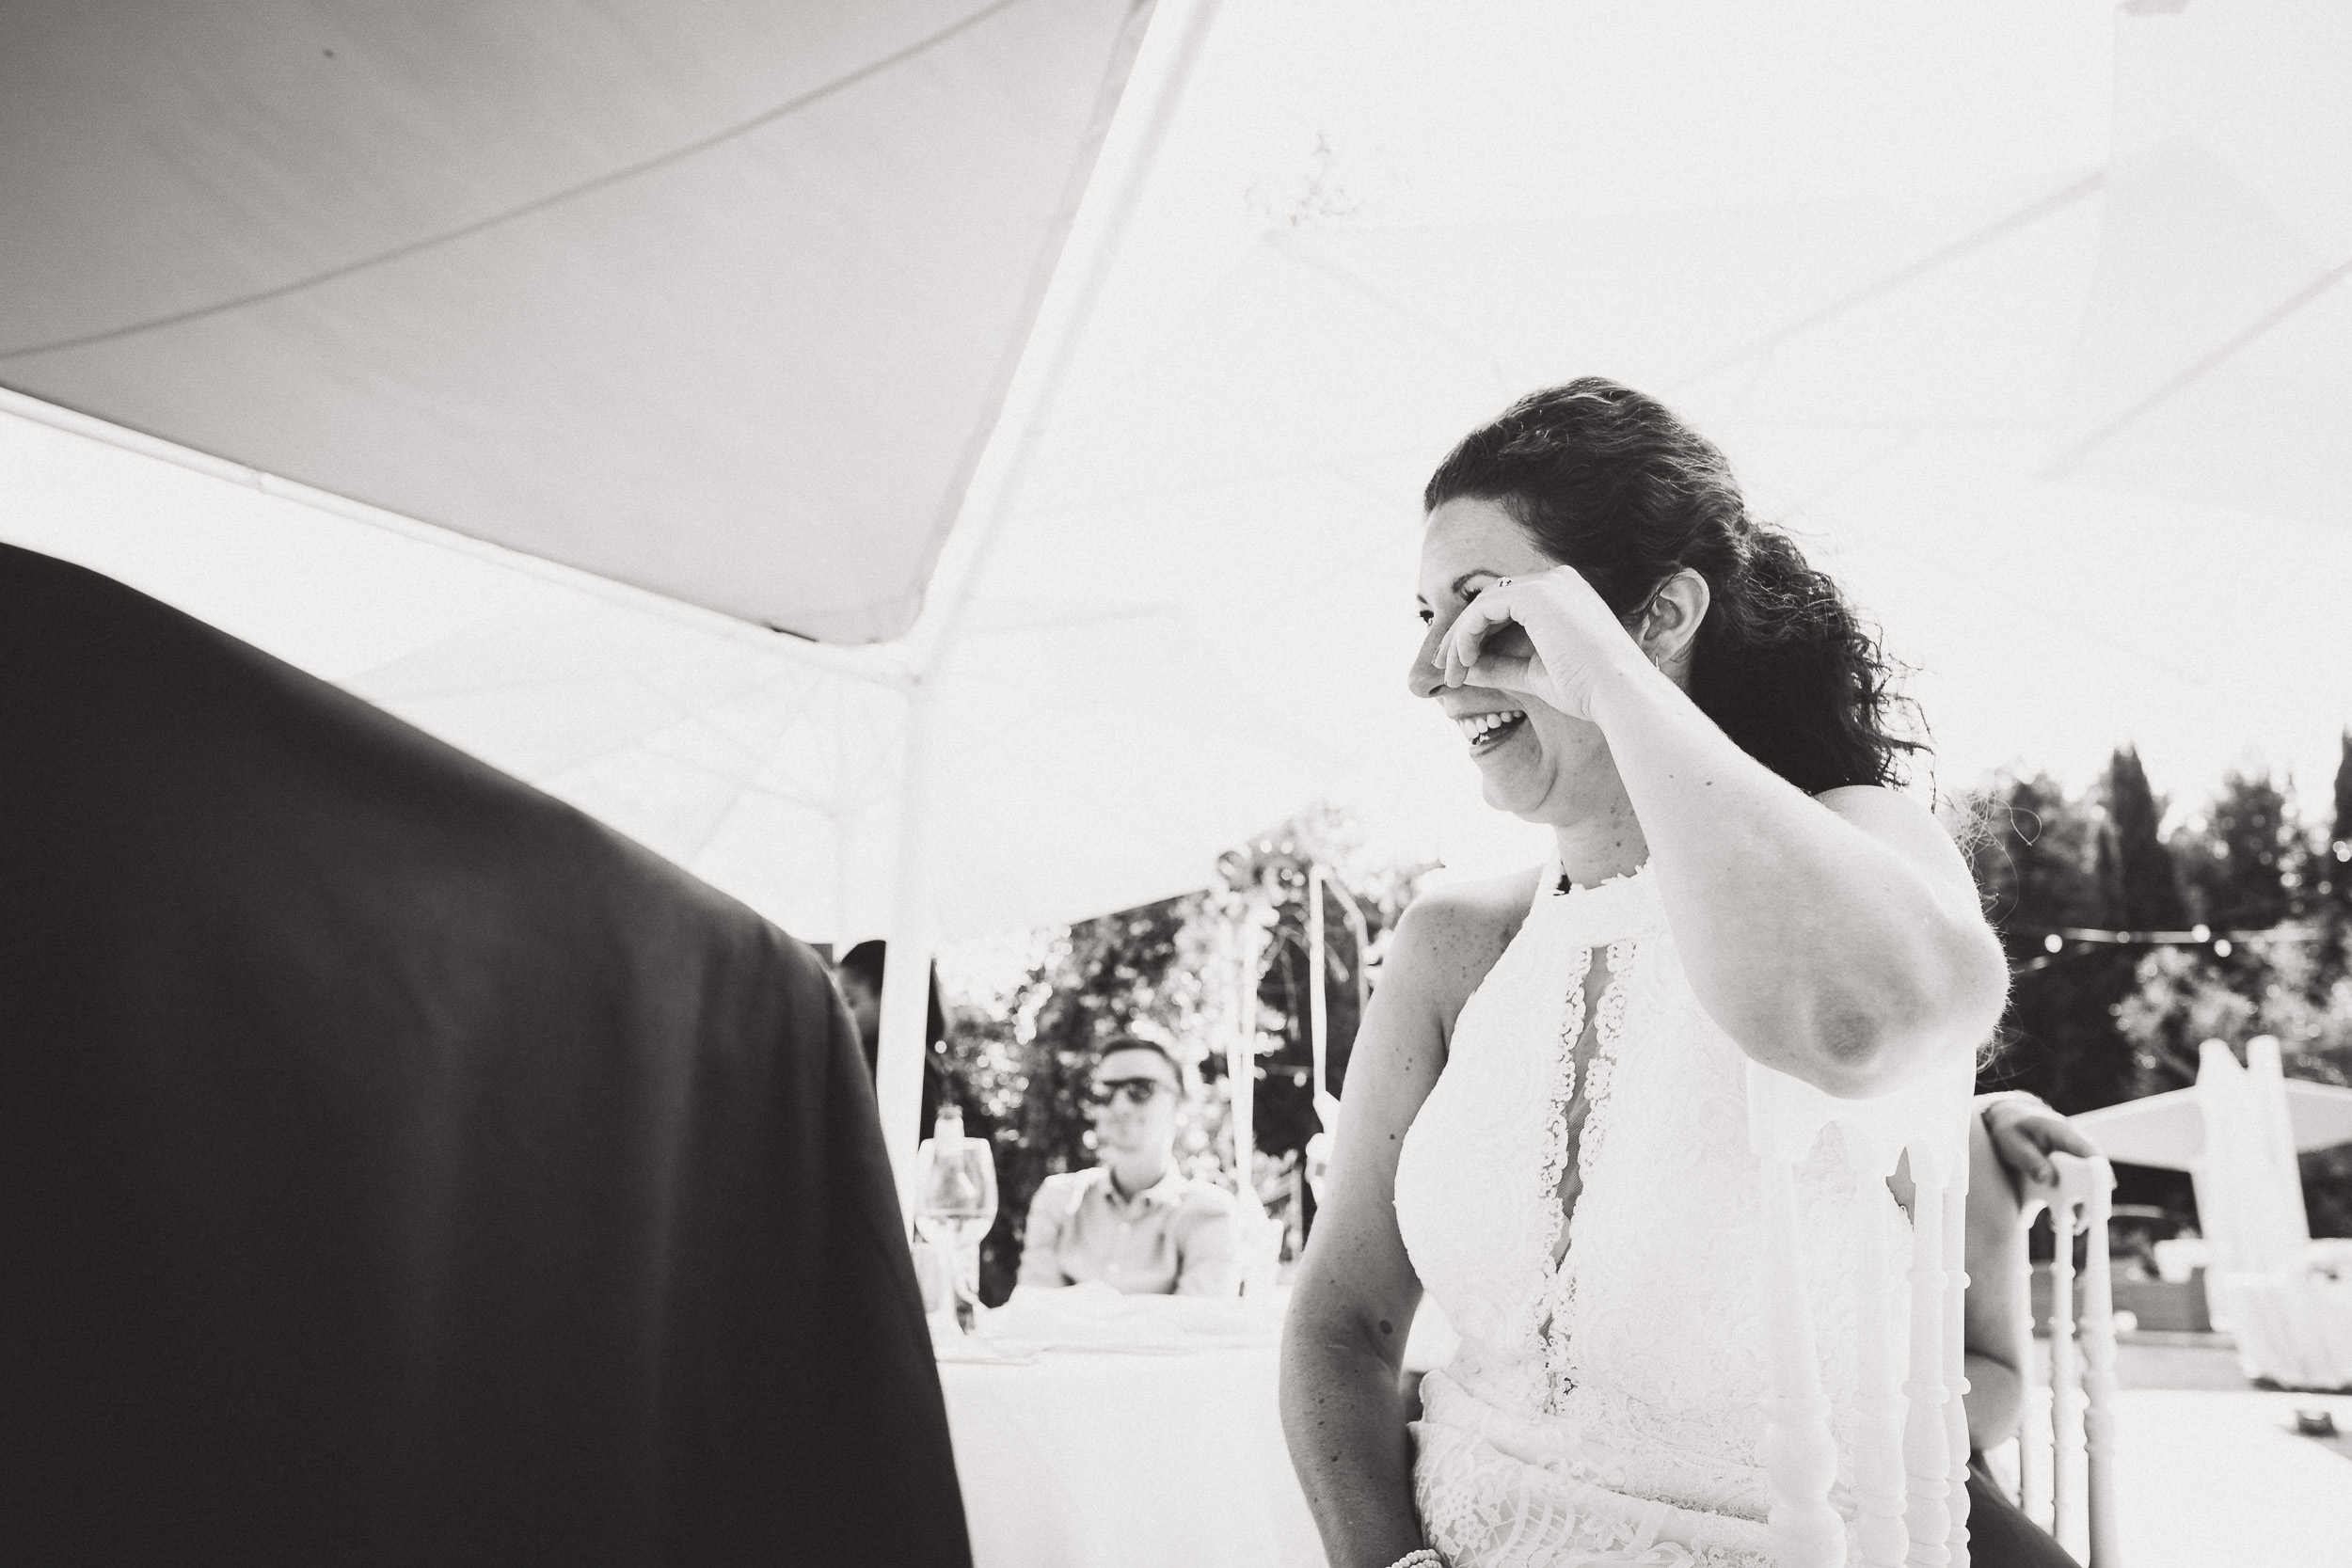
x=715, y=299
x=2249, y=1200
x=1900, y=262
x=397, y=1166
x=2167, y=1130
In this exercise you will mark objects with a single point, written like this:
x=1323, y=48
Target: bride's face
x=1541, y=765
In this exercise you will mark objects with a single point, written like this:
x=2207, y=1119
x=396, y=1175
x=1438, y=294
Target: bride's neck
x=1604, y=844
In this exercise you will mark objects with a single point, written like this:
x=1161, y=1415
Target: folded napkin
x=1094, y=1317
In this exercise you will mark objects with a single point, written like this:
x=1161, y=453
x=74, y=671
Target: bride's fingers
x=1481, y=616
x=1503, y=672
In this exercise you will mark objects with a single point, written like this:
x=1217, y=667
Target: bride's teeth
x=1478, y=727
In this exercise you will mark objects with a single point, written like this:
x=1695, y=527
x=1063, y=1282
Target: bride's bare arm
x=1842, y=945
x=1357, y=1293
x=1839, y=938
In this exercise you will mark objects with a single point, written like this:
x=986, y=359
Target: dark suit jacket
x=396, y=1166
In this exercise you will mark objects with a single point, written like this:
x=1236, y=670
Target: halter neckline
x=1603, y=911
x=1556, y=884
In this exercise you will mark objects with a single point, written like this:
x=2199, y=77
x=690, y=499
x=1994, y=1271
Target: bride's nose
x=1426, y=677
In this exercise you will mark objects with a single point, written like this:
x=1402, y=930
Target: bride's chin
x=1514, y=792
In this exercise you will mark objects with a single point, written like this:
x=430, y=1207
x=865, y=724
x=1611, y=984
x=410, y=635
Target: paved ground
x=2211, y=1471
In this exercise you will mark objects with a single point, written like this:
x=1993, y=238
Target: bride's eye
x=1426, y=615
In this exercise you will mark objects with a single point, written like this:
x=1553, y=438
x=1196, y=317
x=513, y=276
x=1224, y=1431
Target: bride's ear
x=1670, y=623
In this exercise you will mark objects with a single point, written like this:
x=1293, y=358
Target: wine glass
x=955, y=1203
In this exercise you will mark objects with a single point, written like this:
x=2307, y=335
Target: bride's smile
x=1488, y=730
x=1533, y=761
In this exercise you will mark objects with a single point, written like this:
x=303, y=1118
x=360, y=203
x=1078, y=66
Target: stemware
x=955, y=1204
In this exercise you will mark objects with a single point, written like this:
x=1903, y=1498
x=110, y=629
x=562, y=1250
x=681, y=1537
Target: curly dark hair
x=1609, y=482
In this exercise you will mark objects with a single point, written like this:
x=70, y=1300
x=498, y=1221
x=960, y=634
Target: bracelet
x=1420, y=1557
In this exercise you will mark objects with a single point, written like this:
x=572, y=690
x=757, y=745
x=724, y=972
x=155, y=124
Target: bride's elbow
x=1865, y=1040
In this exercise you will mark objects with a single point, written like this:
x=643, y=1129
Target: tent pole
x=1318, y=1005
x=1241, y=1054
x=906, y=975
x=1035, y=390
x=905, y=979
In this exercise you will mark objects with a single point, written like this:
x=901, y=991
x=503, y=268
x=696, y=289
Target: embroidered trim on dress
x=1554, y=1163
x=1555, y=1315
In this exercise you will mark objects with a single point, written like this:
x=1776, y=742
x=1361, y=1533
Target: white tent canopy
x=1193, y=614
x=717, y=300
x=2030, y=319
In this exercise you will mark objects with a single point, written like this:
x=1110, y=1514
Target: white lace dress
x=1604, y=1410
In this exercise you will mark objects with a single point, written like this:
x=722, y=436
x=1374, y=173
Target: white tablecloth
x=1097, y=1459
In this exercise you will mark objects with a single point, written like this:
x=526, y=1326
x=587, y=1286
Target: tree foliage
x=2243, y=856
x=2094, y=1021
x=2051, y=863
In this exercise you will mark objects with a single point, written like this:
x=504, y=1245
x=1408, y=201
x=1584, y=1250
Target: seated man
x=1134, y=1222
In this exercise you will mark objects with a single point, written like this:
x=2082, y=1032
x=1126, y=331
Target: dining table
x=1098, y=1430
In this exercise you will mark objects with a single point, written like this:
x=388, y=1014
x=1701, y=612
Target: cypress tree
x=2143, y=882
x=2040, y=870
x=2331, y=889
x=2334, y=859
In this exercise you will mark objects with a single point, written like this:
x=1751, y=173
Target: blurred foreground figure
x=398, y=1167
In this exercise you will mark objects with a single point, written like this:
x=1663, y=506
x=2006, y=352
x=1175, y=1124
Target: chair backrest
x=1911, y=1445
x=2066, y=1436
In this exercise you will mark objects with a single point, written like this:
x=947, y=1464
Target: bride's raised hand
x=1570, y=641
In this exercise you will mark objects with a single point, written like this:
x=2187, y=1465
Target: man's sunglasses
x=1138, y=1091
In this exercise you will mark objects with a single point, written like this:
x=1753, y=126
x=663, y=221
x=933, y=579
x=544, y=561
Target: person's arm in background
x=1207, y=1261
x=1040, y=1241
x=2009, y=1140
x=1994, y=1336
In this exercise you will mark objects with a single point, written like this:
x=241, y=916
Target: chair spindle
x=1926, y=1438
x=1800, y=1454
x=1955, y=1343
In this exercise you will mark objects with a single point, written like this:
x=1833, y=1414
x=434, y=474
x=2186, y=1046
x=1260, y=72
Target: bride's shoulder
x=1450, y=935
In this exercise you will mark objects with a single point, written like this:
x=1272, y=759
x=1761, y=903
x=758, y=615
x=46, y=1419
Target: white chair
x=2066, y=1436
x=1257, y=1245
x=1910, y=1458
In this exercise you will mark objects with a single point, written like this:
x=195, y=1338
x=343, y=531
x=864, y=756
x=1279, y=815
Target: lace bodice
x=1604, y=1409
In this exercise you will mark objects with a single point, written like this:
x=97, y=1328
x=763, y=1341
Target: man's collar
x=1170, y=1186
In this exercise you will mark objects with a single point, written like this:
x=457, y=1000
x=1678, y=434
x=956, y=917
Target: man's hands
x=2025, y=1132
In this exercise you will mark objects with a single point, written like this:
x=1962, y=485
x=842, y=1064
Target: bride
x=1545, y=1113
